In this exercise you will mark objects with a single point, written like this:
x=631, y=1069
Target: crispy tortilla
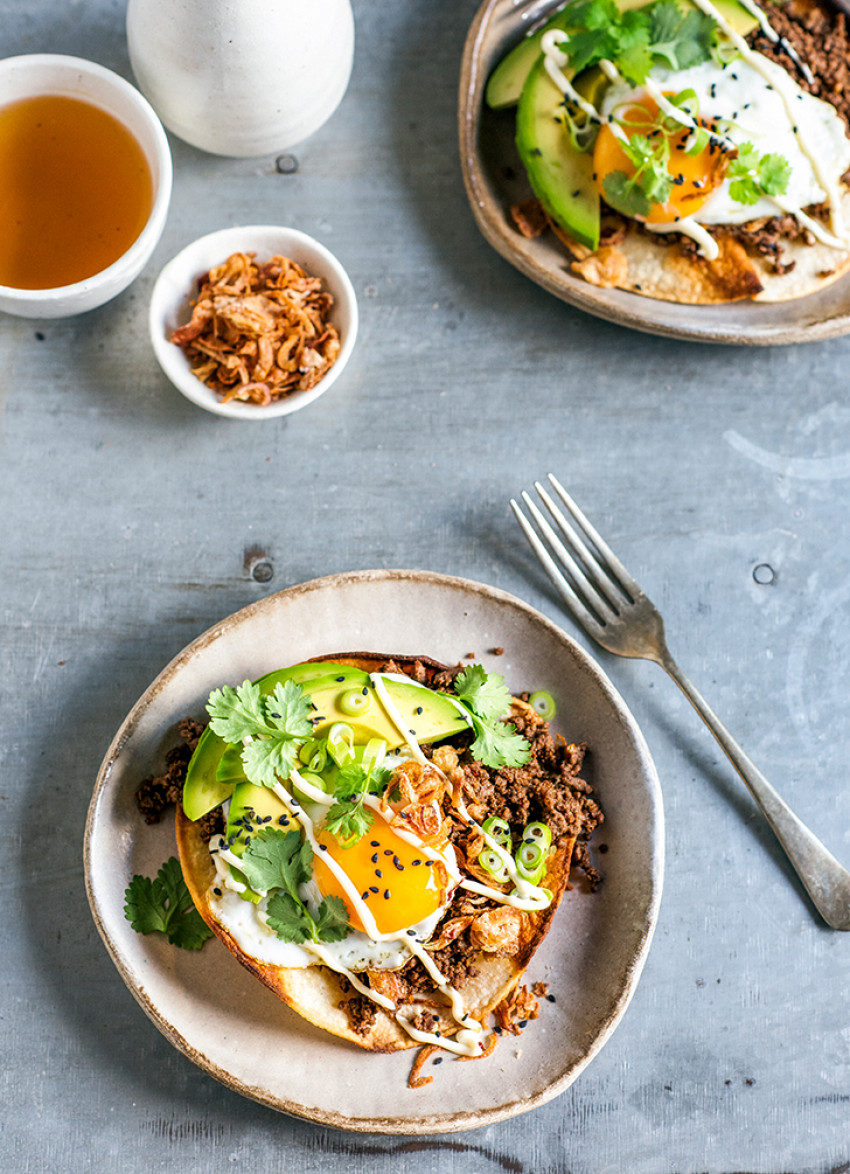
x=314, y=992
x=644, y=264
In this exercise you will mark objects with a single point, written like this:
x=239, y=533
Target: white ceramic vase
x=242, y=77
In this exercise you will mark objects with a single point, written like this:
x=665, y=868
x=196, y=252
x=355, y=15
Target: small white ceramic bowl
x=40, y=74
x=177, y=285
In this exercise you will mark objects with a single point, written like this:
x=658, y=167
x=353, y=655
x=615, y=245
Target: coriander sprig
x=277, y=724
x=753, y=176
x=486, y=701
x=164, y=905
x=637, y=39
x=279, y=863
x=348, y=820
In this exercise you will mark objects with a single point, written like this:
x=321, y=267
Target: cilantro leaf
x=354, y=780
x=289, y=919
x=164, y=905
x=500, y=745
x=279, y=863
x=332, y=920
x=277, y=860
x=486, y=699
x=276, y=725
x=753, y=176
x=774, y=173
x=349, y=822
x=485, y=693
x=236, y=713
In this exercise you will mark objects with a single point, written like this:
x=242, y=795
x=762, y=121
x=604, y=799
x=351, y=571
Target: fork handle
x=825, y=880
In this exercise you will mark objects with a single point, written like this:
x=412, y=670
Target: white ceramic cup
x=40, y=74
x=242, y=77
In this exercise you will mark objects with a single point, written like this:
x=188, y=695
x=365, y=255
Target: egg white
x=756, y=114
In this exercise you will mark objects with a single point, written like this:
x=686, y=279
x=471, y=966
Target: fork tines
x=598, y=584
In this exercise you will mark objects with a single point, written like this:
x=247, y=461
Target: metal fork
x=608, y=603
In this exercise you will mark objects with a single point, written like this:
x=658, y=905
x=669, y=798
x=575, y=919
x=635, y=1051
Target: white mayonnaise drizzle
x=555, y=60
x=469, y=1039
x=756, y=61
x=708, y=246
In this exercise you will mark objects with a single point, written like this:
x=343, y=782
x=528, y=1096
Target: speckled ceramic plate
x=234, y=1028
x=495, y=179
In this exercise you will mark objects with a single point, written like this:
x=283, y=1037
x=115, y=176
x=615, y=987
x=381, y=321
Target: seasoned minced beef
x=158, y=793
x=819, y=34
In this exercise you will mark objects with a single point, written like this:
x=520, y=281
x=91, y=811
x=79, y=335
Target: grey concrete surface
x=126, y=517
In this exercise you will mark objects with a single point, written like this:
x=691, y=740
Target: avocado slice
x=510, y=75
x=561, y=177
x=431, y=716
x=215, y=768
x=205, y=788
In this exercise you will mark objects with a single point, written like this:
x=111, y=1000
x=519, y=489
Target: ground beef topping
x=819, y=34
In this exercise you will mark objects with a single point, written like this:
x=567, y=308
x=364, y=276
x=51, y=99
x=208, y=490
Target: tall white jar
x=242, y=77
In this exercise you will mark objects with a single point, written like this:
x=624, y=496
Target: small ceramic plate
x=177, y=285
x=495, y=179
x=237, y=1030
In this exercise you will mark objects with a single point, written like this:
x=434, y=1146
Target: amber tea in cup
x=76, y=191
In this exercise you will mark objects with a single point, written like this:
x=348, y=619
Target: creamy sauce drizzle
x=755, y=60
x=555, y=60
x=469, y=1039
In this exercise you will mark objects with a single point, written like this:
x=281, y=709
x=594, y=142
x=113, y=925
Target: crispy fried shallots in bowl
x=253, y=322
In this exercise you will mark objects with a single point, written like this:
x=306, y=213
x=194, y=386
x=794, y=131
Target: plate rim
x=448, y=1122
x=590, y=299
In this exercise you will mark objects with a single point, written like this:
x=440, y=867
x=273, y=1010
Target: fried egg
x=405, y=892
x=740, y=104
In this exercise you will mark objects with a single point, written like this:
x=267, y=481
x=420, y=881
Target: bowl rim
x=144, y=243
x=182, y=269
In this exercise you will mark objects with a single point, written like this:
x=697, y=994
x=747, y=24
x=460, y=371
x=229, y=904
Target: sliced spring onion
x=537, y=832
x=543, y=703
x=355, y=701
x=373, y=754
x=530, y=860
x=341, y=743
x=493, y=864
x=314, y=754
x=497, y=829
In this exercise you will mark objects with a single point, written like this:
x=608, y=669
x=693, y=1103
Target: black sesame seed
x=438, y=1059
x=379, y=874
x=323, y=847
x=374, y=843
x=418, y=709
x=415, y=862
x=364, y=896
x=388, y=851
x=340, y=678
x=576, y=193
x=374, y=889
x=217, y=892
x=365, y=691
x=411, y=933
x=283, y=820
x=523, y=1023
x=497, y=1029
x=386, y=894
x=398, y=864
x=551, y=999
x=374, y=858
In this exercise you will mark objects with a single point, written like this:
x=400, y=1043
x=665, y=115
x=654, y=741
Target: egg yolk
x=398, y=884
x=694, y=176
